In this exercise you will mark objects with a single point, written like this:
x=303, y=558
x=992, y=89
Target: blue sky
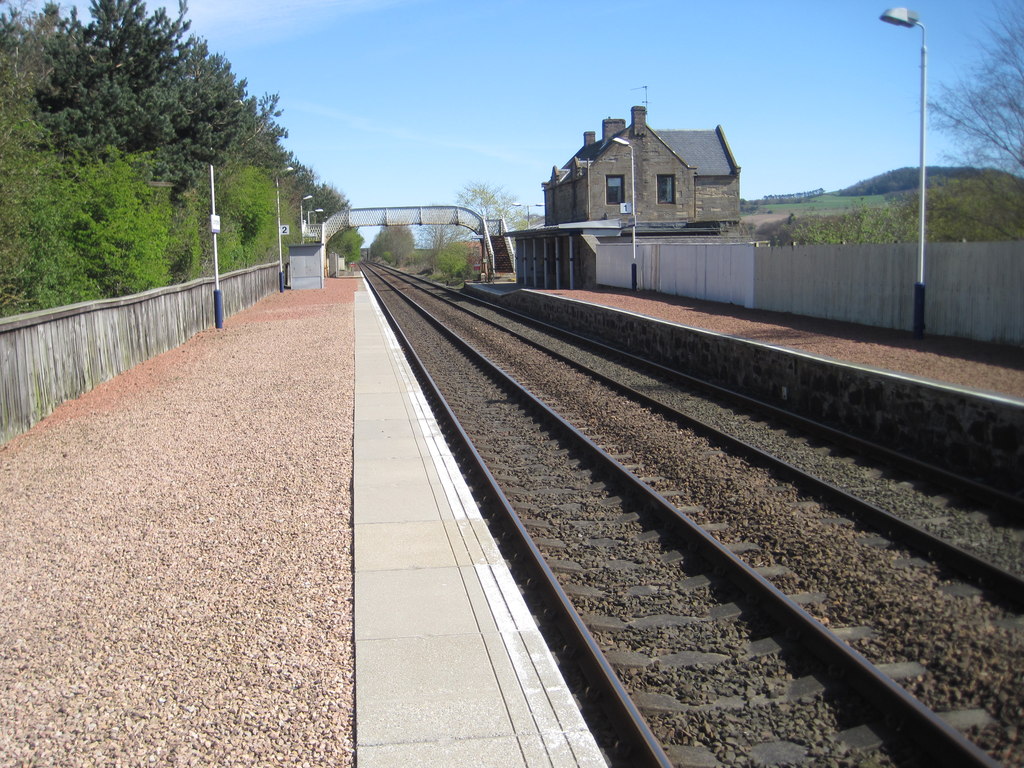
x=404, y=102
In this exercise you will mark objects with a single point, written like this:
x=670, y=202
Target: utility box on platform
x=307, y=266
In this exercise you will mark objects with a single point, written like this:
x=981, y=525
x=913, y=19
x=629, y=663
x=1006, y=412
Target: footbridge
x=497, y=247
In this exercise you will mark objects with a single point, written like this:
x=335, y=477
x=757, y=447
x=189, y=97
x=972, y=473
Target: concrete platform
x=450, y=668
x=496, y=289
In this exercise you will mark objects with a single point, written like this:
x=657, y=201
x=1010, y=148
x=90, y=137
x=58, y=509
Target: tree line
x=108, y=128
x=987, y=206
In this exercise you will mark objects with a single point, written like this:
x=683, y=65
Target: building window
x=666, y=189
x=615, y=189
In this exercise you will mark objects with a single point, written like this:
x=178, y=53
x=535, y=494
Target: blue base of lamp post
x=634, y=275
x=218, y=309
x=918, y=310
x=280, y=281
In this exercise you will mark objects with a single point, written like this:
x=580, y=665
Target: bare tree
x=493, y=202
x=393, y=245
x=435, y=239
x=986, y=110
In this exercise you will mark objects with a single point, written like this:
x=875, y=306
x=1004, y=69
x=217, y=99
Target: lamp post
x=280, y=254
x=302, y=221
x=218, y=298
x=903, y=17
x=632, y=198
x=527, y=206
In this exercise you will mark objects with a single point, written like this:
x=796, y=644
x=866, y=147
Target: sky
x=405, y=102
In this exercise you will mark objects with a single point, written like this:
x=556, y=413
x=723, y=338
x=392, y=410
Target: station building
x=664, y=183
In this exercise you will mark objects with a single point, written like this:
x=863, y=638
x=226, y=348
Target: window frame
x=608, y=189
x=672, y=178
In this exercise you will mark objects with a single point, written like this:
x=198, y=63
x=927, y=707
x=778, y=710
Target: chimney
x=610, y=126
x=639, y=121
x=588, y=138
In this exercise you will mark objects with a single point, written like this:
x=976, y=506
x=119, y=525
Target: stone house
x=687, y=186
x=687, y=181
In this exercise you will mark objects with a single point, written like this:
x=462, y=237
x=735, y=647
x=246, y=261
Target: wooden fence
x=973, y=290
x=55, y=355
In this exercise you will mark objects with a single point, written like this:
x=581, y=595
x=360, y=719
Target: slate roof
x=704, y=150
x=591, y=151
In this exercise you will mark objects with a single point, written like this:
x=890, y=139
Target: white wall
x=973, y=290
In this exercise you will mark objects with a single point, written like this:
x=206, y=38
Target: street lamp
x=280, y=254
x=903, y=17
x=527, y=206
x=302, y=221
x=632, y=197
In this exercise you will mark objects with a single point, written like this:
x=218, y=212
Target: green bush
x=453, y=262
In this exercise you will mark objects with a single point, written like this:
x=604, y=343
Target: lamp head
x=620, y=140
x=308, y=197
x=901, y=17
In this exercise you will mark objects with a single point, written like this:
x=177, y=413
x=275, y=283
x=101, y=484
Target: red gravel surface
x=175, y=554
x=990, y=367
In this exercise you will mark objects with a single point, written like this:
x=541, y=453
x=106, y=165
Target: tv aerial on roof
x=644, y=87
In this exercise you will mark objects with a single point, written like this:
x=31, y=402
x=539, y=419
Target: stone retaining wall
x=970, y=433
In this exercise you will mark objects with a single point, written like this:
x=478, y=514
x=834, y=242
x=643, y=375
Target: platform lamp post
x=218, y=298
x=903, y=17
x=632, y=198
x=302, y=221
x=527, y=206
x=280, y=252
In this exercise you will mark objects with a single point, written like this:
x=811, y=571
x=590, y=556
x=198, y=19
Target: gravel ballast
x=175, y=550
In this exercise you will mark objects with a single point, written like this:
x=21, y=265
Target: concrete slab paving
x=387, y=546
x=409, y=690
x=413, y=603
x=506, y=752
x=451, y=670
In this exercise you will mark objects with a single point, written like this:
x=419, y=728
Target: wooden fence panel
x=56, y=355
x=976, y=290
x=973, y=290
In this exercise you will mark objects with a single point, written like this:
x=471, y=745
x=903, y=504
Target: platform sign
x=285, y=229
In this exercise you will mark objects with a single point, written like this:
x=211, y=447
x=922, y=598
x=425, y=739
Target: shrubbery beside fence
x=55, y=355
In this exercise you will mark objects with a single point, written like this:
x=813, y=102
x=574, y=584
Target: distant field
x=820, y=204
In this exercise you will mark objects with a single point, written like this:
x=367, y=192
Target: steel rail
x=907, y=715
x=994, y=497
x=641, y=746
x=972, y=567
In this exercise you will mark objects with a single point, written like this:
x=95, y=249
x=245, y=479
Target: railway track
x=746, y=614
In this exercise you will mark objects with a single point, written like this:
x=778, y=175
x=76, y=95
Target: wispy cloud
x=439, y=140
x=257, y=21
x=242, y=16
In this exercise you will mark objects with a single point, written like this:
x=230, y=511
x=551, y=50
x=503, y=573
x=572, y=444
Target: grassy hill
x=876, y=191
x=830, y=202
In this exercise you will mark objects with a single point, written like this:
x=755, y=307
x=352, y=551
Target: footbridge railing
x=422, y=215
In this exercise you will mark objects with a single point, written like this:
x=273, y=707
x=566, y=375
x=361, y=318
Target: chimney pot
x=639, y=115
x=611, y=126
